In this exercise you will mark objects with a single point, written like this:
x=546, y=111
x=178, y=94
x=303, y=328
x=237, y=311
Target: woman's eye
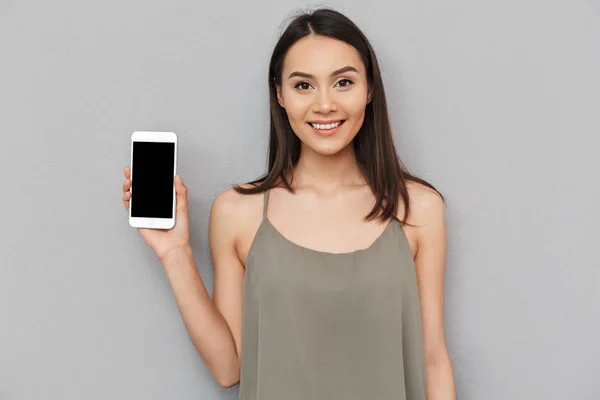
x=346, y=80
x=304, y=85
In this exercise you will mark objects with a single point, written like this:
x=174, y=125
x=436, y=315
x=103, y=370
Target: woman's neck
x=328, y=172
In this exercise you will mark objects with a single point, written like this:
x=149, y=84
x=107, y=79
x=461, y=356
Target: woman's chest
x=323, y=237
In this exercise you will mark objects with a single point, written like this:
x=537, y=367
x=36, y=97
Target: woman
x=328, y=270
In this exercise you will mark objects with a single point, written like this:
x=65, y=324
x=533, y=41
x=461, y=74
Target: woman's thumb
x=181, y=191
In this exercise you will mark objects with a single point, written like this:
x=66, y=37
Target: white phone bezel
x=150, y=136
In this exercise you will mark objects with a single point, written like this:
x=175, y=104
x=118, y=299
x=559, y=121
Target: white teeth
x=328, y=126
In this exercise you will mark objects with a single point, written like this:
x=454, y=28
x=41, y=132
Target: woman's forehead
x=320, y=55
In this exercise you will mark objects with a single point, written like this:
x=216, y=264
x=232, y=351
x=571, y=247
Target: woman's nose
x=324, y=102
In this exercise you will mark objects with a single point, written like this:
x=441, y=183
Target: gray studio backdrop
x=495, y=103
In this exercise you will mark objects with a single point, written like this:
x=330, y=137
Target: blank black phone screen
x=152, y=173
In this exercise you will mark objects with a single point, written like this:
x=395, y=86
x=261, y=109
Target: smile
x=326, y=126
x=327, y=129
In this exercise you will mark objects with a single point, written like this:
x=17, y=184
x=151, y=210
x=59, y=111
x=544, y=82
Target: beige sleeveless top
x=323, y=326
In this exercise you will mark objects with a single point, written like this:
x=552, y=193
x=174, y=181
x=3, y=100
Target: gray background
x=495, y=103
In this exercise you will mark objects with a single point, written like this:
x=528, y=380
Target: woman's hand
x=162, y=241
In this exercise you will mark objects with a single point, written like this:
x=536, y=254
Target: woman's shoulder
x=423, y=202
x=230, y=205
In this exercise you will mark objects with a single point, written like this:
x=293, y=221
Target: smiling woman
x=329, y=269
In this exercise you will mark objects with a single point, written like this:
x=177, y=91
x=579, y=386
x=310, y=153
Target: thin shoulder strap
x=265, y=204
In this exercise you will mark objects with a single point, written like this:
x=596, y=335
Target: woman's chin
x=327, y=148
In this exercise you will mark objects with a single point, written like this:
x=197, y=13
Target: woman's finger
x=126, y=198
x=126, y=185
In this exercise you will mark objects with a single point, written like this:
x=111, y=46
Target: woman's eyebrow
x=347, y=68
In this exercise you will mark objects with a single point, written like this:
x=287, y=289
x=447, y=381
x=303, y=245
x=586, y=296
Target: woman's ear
x=279, y=96
x=370, y=96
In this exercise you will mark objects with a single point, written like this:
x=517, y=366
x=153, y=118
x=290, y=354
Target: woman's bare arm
x=214, y=326
x=430, y=264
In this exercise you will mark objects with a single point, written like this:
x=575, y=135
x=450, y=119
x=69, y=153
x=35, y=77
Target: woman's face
x=323, y=84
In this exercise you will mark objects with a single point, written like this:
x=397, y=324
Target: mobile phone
x=153, y=169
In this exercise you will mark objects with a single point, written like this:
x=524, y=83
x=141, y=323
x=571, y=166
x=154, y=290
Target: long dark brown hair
x=373, y=144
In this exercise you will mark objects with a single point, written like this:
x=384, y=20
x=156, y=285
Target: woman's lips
x=327, y=132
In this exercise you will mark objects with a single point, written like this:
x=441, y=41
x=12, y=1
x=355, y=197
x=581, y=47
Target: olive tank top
x=325, y=326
